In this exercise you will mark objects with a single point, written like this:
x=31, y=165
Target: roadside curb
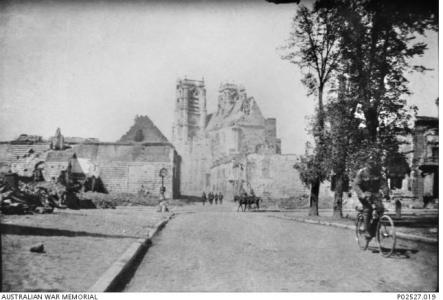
x=401, y=235
x=417, y=238
x=121, y=271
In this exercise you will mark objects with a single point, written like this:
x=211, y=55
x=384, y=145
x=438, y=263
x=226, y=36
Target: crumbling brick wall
x=9, y=152
x=124, y=167
x=121, y=176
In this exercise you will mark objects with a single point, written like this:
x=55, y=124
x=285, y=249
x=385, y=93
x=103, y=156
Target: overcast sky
x=89, y=68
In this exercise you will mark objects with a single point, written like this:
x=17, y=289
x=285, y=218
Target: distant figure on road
x=220, y=197
x=204, y=198
x=163, y=206
x=210, y=197
x=162, y=192
x=216, y=198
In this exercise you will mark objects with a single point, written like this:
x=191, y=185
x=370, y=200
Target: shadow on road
x=254, y=210
x=29, y=230
x=399, y=253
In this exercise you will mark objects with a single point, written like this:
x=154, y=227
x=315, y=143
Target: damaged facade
x=425, y=160
x=235, y=148
x=124, y=166
x=414, y=182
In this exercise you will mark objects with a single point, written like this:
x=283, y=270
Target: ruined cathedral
x=231, y=150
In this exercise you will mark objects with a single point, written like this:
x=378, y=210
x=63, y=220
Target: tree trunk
x=315, y=189
x=372, y=123
x=338, y=197
x=315, y=185
x=321, y=113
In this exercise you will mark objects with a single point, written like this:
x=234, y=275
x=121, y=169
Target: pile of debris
x=33, y=197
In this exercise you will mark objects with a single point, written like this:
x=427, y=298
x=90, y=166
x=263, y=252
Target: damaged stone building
x=424, y=174
x=232, y=149
x=126, y=166
x=417, y=183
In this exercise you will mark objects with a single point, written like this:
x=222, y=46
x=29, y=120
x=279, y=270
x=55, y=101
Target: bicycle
x=384, y=232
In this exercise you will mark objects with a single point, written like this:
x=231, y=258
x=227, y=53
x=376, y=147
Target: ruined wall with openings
x=126, y=167
x=123, y=167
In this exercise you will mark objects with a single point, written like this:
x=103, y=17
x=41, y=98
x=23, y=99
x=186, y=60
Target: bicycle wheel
x=386, y=237
x=362, y=241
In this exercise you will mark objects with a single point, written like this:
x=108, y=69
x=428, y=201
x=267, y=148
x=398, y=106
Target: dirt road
x=217, y=249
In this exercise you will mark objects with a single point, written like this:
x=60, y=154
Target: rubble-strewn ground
x=80, y=245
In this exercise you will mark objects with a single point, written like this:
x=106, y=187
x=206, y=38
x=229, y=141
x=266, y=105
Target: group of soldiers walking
x=212, y=197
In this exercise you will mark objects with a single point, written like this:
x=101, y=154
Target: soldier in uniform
x=204, y=198
x=162, y=192
x=367, y=184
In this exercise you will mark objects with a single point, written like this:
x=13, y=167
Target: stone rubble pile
x=31, y=197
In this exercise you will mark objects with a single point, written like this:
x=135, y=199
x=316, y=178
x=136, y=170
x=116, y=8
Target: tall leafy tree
x=371, y=42
x=377, y=44
x=313, y=46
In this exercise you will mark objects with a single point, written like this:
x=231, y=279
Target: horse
x=242, y=202
x=254, y=200
x=247, y=202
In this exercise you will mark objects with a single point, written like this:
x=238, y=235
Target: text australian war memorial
x=230, y=150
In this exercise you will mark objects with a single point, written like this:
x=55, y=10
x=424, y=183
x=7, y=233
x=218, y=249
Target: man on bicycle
x=368, y=183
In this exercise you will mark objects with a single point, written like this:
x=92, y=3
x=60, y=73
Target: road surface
x=216, y=249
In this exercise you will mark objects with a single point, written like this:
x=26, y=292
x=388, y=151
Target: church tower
x=190, y=112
